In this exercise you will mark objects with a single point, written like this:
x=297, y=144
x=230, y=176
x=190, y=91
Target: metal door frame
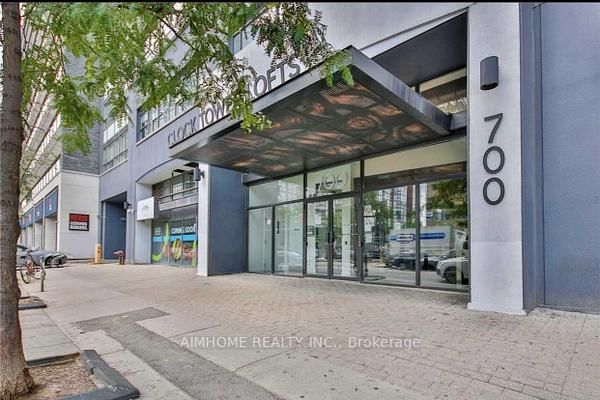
x=330, y=235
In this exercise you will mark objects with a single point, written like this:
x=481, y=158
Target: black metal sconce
x=198, y=174
x=488, y=73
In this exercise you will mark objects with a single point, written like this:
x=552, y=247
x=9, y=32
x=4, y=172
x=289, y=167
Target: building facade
x=59, y=196
x=456, y=161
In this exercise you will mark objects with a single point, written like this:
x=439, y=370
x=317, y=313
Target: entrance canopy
x=315, y=125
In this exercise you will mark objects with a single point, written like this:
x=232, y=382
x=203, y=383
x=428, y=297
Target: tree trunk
x=14, y=374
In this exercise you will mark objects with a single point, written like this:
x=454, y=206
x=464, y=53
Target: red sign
x=79, y=222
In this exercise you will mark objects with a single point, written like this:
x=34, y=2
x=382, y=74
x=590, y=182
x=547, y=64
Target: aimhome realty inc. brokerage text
x=286, y=342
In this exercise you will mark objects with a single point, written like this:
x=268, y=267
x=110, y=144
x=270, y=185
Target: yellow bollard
x=98, y=255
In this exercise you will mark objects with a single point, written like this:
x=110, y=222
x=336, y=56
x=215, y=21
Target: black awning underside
x=315, y=125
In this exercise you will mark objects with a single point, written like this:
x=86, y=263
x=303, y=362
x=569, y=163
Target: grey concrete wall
x=89, y=162
x=570, y=42
x=114, y=182
x=226, y=250
x=77, y=161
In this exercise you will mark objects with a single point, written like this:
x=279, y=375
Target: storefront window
x=390, y=222
x=414, y=216
x=174, y=237
x=280, y=191
x=344, y=178
x=260, y=247
x=444, y=233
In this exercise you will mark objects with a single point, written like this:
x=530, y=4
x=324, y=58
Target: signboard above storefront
x=211, y=113
x=79, y=222
x=145, y=209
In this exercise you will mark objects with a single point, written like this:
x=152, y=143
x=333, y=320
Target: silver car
x=46, y=257
x=448, y=268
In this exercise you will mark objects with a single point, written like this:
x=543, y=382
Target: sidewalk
x=138, y=317
x=42, y=338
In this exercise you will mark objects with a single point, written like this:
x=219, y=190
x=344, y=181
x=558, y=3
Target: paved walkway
x=42, y=338
x=459, y=354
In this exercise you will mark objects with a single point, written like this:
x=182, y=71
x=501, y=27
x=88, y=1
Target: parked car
x=48, y=258
x=407, y=261
x=448, y=268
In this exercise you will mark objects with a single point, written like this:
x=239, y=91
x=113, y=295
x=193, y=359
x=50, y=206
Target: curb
x=38, y=362
x=37, y=303
x=117, y=387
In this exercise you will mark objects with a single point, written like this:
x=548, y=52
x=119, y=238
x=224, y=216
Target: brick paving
x=462, y=354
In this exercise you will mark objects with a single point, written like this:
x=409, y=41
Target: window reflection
x=390, y=218
x=343, y=178
x=259, y=240
x=279, y=191
x=447, y=92
x=444, y=233
x=288, y=239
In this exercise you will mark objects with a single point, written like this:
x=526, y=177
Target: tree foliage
x=451, y=195
x=156, y=50
x=86, y=53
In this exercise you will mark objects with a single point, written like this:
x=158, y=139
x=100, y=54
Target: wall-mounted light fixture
x=198, y=174
x=488, y=73
x=128, y=207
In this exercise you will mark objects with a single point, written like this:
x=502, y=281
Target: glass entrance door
x=332, y=238
x=344, y=237
x=260, y=240
x=317, y=238
x=287, y=245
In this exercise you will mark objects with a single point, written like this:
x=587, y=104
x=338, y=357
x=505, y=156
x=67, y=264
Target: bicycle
x=29, y=269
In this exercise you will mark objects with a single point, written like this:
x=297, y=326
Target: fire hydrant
x=121, y=255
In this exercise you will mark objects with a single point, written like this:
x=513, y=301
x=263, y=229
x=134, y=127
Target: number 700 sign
x=488, y=169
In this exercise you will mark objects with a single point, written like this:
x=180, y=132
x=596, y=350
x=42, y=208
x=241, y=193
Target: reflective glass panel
x=260, y=240
x=390, y=218
x=444, y=233
x=345, y=238
x=288, y=239
x=448, y=92
x=340, y=179
x=279, y=191
x=317, y=237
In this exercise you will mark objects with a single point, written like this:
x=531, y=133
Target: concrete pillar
x=49, y=234
x=495, y=236
x=30, y=236
x=37, y=234
x=203, y=220
x=143, y=229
